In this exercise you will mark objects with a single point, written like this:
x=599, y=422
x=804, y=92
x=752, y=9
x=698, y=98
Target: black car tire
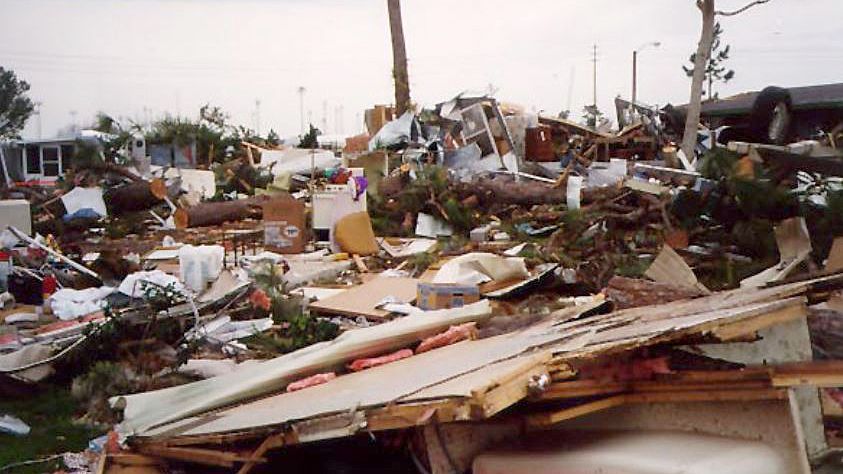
x=771, y=120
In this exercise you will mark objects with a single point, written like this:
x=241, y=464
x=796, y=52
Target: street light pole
x=634, y=76
x=301, y=91
x=654, y=44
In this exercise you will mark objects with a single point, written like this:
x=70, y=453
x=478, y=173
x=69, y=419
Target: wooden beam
x=741, y=328
x=543, y=420
x=207, y=457
x=822, y=374
x=708, y=396
x=416, y=414
x=508, y=393
x=271, y=442
x=583, y=388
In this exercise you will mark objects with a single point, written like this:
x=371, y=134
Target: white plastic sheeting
x=132, y=285
x=476, y=268
x=84, y=198
x=297, y=160
x=69, y=304
x=394, y=132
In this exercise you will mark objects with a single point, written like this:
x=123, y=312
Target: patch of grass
x=50, y=414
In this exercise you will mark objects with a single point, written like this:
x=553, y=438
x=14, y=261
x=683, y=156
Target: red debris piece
x=311, y=381
x=362, y=364
x=452, y=335
x=260, y=299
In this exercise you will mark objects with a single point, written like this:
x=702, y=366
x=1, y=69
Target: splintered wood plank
x=732, y=331
x=416, y=414
x=823, y=374
x=583, y=388
x=271, y=442
x=670, y=268
x=542, y=420
x=708, y=396
x=655, y=330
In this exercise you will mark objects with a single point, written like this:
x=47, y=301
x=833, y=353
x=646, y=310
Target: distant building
x=173, y=155
x=43, y=160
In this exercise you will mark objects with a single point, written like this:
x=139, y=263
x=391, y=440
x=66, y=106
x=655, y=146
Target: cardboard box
x=446, y=295
x=284, y=225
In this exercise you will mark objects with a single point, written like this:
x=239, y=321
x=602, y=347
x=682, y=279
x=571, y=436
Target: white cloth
x=70, y=304
x=131, y=285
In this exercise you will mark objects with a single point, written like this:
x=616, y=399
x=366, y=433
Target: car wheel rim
x=779, y=122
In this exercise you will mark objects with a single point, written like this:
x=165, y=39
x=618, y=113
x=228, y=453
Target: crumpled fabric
x=131, y=285
x=70, y=304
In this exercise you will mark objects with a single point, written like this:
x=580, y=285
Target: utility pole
x=258, y=117
x=634, y=76
x=38, y=115
x=324, y=116
x=654, y=44
x=301, y=91
x=592, y=121
x=594, y=60
x=73, y=119
x=399, y=58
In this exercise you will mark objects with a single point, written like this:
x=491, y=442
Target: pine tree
x=715, y=71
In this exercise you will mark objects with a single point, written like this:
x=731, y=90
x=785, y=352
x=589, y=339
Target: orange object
x=259, y=299
x=363, y=364
x=311, y=381
x=453, y=335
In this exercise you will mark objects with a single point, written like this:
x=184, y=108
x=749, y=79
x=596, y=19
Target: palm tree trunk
x=399, y=58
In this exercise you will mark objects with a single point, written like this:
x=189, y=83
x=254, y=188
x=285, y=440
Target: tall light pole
x=38, y=115
x=301, y=91
x=258, y=117
x=644, y=46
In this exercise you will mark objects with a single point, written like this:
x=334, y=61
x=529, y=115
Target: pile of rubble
x=466, y=263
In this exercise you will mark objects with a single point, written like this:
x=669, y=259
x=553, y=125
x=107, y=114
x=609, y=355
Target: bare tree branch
x=741, y=10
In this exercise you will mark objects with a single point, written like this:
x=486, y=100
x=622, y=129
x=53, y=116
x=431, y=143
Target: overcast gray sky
x=144, y=58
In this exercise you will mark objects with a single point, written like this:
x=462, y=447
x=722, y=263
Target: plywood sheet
x=473, y=368
x=361, y=300
x=398, y=381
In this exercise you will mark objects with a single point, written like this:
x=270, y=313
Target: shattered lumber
x=495, y=373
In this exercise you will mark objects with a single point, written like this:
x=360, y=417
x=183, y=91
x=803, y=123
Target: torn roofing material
x=467, y=370
x=145, y=410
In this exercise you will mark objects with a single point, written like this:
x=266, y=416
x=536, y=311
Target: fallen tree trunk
x=136, y=196
x=103, y=167
x=33, y=195
x=216, y=213
x=505, y=190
